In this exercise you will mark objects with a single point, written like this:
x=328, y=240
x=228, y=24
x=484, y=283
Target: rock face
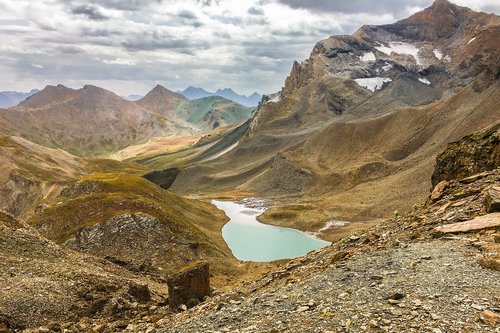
x=492, y=200
x=472, y=154
x=43, y=283
x=189, y=287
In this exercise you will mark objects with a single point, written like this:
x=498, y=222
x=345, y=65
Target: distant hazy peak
x=12, y=98
x=228, y=93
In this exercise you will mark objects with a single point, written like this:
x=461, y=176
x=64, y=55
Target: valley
x=364, y=196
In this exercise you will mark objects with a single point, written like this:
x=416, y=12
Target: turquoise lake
x=250, y=240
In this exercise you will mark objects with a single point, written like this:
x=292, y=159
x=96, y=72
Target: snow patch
x=275, y=99
x=447, y=58
x=373, y=83
x=387, y=66
x=334, y=223
x=427, y=82
x=470, y=41
x=438, y=54
x=400, y=48
x=368, y=56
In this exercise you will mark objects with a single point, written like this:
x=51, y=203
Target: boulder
x=492, y=200
x=438, y=191
x=490, y=317
x=189, y=287
x=478, y=223
x=139, y=291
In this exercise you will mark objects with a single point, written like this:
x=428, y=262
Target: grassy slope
x=224, y=112
x=32, y=170
x=97, y=198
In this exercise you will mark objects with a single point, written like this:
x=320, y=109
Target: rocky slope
x=45, y=284
x=357, y=126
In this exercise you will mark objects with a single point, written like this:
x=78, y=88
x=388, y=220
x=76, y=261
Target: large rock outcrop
x=189, y=287
x=472, y=154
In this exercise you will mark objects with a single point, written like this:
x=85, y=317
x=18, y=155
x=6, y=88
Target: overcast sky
x=128, y=46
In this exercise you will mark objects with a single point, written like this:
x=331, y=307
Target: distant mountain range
x=132, y=97
x=93, y=121
x=12, y=98
x=195, y=93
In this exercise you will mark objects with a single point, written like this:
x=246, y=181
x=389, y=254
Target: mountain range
x=195, y=93
x=92, y=121
x=103, y=199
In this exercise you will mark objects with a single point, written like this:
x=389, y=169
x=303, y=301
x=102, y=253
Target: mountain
x=357, y=126
x=201, y=114
x=195, y=93
x=160, y=100
x=252, y=100
x=89, y=121
x=212, y=112
x=92, y=121
x=12, y=98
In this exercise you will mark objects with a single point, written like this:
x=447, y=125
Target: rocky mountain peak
x=161, y=100
x=160, y=92
x=48, y=95
x=94, y=91
x=411, y=62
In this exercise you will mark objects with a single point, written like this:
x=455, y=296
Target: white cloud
x=128, y=45
x=120, y=61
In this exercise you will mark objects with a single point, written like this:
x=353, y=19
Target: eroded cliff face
x=472, y=154
x=412, y=62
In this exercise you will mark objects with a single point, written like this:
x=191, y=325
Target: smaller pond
x=250, y=240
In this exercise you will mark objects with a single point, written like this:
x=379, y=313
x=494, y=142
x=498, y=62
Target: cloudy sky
x=128, y=46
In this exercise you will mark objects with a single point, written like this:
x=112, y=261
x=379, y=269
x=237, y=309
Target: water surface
x=250, y=240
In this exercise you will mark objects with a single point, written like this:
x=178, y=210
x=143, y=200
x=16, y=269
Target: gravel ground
x=435, y=286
